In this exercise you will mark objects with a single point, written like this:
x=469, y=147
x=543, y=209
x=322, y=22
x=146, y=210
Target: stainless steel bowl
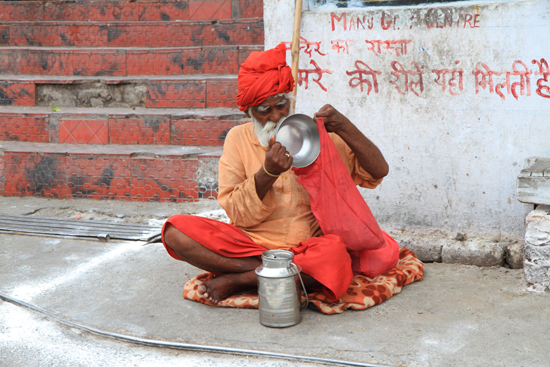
x=299, y=135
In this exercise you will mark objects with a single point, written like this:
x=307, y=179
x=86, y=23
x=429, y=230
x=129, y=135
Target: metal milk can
x=279, y=289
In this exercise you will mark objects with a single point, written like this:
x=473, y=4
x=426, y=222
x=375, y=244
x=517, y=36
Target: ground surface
x=457, y=316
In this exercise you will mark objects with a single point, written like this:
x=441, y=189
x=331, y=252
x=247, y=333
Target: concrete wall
x=455, y=144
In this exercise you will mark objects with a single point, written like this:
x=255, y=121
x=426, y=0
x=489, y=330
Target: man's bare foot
x=225, y=285
x=218, y=288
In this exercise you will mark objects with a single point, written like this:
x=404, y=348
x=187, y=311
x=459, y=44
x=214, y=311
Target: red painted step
x=118, y=126
x=17, y=93
x=129, y=11
x=123, y=61
x=144, y=153
x=135, y=173
x=199, y=91
x=133, y=34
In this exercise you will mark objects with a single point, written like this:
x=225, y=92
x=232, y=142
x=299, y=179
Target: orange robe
x=283, y=218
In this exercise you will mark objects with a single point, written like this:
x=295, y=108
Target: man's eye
x=282, y=103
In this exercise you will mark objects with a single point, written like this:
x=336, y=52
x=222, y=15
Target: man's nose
x=275, y=116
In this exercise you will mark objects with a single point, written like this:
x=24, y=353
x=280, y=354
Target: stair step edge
x=61, y=79
x=129, y=151
x=200, y=113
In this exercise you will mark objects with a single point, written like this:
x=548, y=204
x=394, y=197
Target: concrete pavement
x=459, y=315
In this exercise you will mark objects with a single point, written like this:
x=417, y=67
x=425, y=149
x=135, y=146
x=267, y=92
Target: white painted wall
x=453, y=159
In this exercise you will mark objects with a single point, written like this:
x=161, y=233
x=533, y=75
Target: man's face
x=268, y=115
x=272, y=109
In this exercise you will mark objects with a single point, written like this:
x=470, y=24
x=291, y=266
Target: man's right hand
x=277, y=159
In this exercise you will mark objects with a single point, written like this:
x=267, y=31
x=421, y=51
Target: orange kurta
x=283, y=218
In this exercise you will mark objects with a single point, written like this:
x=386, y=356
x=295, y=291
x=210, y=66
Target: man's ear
x=247, y=114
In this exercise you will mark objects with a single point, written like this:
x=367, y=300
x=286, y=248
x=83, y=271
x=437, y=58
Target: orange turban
x=262, y=75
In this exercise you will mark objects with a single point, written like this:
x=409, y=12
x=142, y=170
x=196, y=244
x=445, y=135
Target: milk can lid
x=278, y=254
x=276, y=264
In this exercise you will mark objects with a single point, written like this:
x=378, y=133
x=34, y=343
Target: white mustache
x=264, y=133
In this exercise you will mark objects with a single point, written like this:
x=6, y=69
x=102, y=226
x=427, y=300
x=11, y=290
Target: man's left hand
x=334, y=120
x=368, y=155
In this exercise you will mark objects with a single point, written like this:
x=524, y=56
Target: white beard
x=264, y=133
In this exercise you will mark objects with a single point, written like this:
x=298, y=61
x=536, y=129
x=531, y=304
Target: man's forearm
x=263, y=182
x=368, y=155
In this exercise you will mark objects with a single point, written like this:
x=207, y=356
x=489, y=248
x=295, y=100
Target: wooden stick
x=295, y=51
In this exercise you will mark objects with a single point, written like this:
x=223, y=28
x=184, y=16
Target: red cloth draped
x=341, y=210
x=336, y=202
x=262, y=75
x=325, y=258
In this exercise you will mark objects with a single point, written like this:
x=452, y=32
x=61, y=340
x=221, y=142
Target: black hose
x=160, y=343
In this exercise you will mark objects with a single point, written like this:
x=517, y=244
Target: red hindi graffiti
x=484, y=78
x=542, y=90
x=451, y=83
x=341, y=45
x=400, y=46
x=308, y=46
x=407, y=74
x=303, y=75
x=358, y=80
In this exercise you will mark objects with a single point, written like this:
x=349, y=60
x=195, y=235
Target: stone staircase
x=120, y=100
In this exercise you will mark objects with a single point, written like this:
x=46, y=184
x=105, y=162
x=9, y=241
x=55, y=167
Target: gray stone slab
x=514, y=255
x=537, y=248
x=427, y=249
x=537, y=275
x=538, y=233
x=473, y=252
x=533, y=183
x=537, y=254
x=541, y=212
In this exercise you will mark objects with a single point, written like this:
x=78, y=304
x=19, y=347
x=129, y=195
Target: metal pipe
x=160, y=343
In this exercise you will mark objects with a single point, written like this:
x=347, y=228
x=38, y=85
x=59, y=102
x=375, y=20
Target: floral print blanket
x=362, y=293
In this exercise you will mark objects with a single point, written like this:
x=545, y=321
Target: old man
x=267, y=207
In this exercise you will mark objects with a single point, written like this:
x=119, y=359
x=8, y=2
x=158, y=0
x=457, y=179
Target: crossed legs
x=238, y=272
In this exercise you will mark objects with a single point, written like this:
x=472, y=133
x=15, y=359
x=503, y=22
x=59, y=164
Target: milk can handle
x=303, y=286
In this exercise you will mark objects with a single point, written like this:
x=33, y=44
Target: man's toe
x=202, y=290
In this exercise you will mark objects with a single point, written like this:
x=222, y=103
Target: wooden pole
x=295, y=51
